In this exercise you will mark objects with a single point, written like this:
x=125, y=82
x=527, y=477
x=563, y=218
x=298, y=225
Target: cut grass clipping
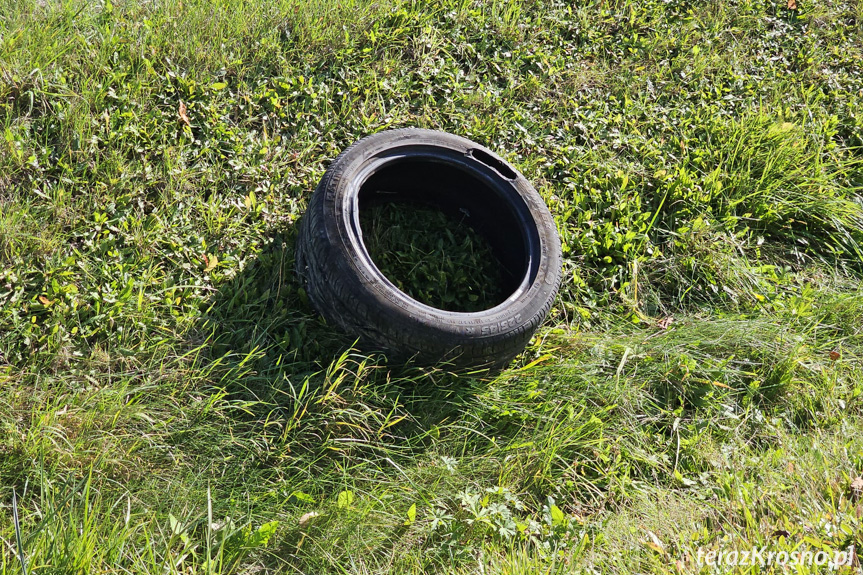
x=433, y=257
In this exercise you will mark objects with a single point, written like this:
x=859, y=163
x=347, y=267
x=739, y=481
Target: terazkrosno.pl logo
x=763, y=557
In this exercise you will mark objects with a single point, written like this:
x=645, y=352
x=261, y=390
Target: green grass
x=171, y=403
x=434, y=258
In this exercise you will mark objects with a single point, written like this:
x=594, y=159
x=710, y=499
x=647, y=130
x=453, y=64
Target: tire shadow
x=316, y=407
x=270, y=343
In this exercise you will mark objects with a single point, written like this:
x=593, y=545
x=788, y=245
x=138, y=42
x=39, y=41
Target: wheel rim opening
x=441, y=235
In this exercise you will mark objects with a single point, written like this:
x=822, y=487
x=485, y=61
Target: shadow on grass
x=311, y=408
x=316, y=400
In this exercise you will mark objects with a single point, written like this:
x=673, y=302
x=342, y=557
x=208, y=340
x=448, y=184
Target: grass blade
x=18, y=542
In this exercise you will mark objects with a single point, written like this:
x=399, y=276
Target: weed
x=432, y=257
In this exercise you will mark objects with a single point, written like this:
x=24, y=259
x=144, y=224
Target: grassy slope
x=168, y=395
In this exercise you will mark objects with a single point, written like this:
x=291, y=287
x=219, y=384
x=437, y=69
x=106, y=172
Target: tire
x=457, y=176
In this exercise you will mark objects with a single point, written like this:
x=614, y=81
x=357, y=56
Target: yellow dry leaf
x=184, y=117
x=211, y=260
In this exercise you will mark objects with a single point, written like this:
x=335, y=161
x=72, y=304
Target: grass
x=171, y=404
x=432, y=257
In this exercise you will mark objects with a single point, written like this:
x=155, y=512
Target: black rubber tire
x=455, y=175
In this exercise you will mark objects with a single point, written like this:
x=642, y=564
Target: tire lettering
x=498, y=327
